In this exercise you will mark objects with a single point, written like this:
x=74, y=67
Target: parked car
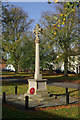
x=7, y=70
x=71, y=72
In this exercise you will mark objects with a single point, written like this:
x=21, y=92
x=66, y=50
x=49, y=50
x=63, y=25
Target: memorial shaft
x=37, y=30
x=37, y=61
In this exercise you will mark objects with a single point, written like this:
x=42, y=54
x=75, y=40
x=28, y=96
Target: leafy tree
x=61, y=31
x=0, y=31
x=47, y=55
x=16, y=24
x=28, y=56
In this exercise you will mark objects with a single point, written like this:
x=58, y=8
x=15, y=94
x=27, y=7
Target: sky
x=34, y=9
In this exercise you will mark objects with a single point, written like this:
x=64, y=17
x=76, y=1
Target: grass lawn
x=59, y=112
x=25, y=75
x=9, y=88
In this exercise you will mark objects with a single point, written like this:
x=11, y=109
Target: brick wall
x=2, y=64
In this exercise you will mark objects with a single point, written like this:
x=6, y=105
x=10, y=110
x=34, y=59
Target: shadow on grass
x=63, y=79
x=16, y=77
x=9, y=112
x=23, y=80
x=13, y=73
x=16, y=82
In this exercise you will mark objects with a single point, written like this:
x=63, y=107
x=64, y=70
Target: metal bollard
x=15, y=89
x=4, y=98
x=26, y=102
x=67, y=96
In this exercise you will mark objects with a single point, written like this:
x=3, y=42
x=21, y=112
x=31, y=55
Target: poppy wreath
x=32, y=91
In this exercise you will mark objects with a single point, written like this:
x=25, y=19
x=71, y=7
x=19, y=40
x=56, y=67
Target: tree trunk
x=65, y=69
x=66, y=65
x=16, y=71
x=16, y=67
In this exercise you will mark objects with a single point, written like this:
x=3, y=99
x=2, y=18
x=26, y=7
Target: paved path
x=18, y=101
x=65, y=85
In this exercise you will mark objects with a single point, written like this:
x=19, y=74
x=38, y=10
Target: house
x=6, y=67
x=10, y=67
x=74, y=64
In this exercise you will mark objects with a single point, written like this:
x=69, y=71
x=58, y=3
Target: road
x=58, y=84
x=65, y=85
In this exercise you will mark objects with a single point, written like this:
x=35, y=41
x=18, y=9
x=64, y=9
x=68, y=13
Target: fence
x=27, y=98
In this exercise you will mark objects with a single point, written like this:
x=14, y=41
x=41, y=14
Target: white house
x=75, y=64
x=10, y=67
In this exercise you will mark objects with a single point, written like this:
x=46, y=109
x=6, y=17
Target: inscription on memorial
x=41, y=85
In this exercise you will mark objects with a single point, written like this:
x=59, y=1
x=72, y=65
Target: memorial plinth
x=37, y=86
x=40, y=92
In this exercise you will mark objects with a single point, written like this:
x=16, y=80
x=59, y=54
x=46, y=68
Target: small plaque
x=41, y=85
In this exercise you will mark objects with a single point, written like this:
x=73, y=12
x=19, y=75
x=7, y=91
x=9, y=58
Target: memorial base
x=39, y=87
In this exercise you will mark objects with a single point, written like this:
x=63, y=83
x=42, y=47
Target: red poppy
x=32, y=90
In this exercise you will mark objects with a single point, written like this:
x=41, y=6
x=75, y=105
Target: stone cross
x=37, y=86
x=37, y=31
